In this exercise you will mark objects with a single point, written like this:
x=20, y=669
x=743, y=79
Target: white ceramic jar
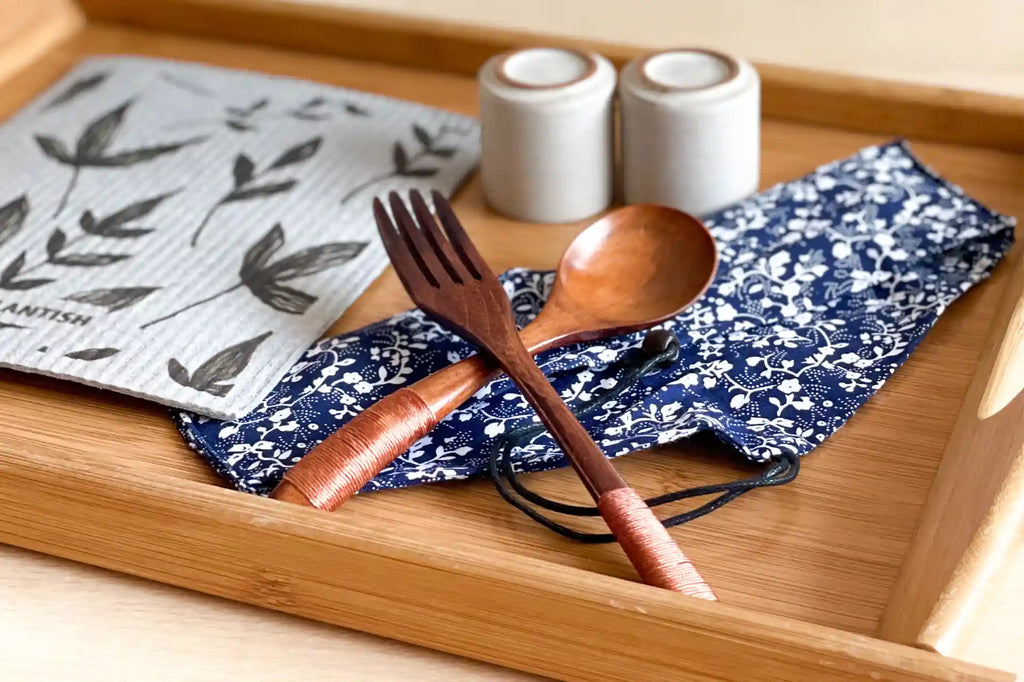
x=547, y=134
x=691, y=122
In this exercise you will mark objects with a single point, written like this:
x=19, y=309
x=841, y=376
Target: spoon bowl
x=629, y=270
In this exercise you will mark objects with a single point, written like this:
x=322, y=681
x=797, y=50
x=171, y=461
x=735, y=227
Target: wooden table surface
x=60, y=620
x=65, y=621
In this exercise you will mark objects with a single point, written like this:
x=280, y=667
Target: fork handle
x=649, y=547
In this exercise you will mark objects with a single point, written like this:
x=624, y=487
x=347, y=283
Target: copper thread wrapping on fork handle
x=657, y=558
x=651, y=550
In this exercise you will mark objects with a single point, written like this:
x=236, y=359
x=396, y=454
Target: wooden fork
x=447, y=279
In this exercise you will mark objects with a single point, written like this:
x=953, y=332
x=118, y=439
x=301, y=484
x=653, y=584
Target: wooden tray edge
x=956, y=565
x=538, y=617
x=867, y=104
x=30, y=29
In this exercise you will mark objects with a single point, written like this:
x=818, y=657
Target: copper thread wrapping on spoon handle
x=651, y=550
x=337, y=468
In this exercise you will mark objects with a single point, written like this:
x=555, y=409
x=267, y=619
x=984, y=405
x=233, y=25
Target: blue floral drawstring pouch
x=825, y=287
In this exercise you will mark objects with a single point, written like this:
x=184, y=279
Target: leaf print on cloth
x=236, y=119
x=114, y=224
x=226, y=365
x=406, y=166
x=92, y=354
x=11, y=280
x=782, y=349
x=114, y=299
x=59, y=245
x=56, y=253
x=12, y=218
x=245, y=180
x=79, y=87
x=267, y=280
x=186, y=85
x=310, y=110
x=92, y=149
x=354, y=109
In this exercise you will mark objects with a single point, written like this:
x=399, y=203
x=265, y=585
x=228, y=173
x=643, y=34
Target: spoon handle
x=350, y=457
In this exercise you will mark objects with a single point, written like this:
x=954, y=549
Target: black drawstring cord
x=661, y=348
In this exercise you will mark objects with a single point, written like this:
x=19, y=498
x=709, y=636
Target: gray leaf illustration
x=259, y=191
x=399, y=157
x=13, y=269
x=221, y=367
x=98, y=135
x=111, y=226
x=356, y=110
x=88, y=222
x=23, y=284
x=258, y=275
x=90, y=354
x=265, y=279
x=112, y=299
x=89, y=225
x=308, y=116
x=133, y=156
x=313, y=260
x=85, y=260
x=422, y=135
x=12, y=217
x=238, y=126
x=243, y=172
x=444, y=152
x=420, y=172
x=311, y=110
x=250, y=110
x=55, y=149
x=284, y=299
x=179, y=82
x=298, y=153
x=178, y=373
x=227, y=364
x=55, y=243
x=258, y=255
x=243, y=169
x=90, y=152
x=79, y=87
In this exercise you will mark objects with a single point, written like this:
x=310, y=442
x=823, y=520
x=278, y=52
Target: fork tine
x=470, y=257
x=437, y=240
x=408, y=270
x=416, y=243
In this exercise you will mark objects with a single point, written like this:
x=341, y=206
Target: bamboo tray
x=903, y=529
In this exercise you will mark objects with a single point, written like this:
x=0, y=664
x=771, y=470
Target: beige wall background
x=973, y=44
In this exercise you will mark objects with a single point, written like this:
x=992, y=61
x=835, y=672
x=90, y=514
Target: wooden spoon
x=631, y=269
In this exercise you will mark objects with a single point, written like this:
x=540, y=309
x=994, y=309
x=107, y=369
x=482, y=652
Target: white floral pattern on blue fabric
x=826, y=285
